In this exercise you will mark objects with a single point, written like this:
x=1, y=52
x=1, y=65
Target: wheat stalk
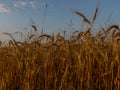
x=82, y=15
x=10, y=36
x=112, y=27
x=95, y=14
x=34, y=27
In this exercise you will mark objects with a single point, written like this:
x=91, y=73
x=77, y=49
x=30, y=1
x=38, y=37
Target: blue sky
x=15, y=14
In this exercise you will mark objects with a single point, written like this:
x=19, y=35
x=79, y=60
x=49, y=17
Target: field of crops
x=85, y=61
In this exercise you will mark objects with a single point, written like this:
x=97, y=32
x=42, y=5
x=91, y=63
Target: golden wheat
x=53, y=62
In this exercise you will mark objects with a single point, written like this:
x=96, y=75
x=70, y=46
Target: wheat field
x=85, y=61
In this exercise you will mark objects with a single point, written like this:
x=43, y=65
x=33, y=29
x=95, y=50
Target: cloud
x=4, y=8
x=18, y=5
x=23, y=4
x=33, y=4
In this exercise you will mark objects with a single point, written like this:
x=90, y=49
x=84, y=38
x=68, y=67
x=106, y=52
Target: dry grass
x=52, y=62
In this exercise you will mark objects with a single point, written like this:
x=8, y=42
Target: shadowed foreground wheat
x=81, y=62
x=52, y=62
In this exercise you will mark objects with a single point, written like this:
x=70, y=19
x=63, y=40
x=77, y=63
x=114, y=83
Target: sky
x=17, y=15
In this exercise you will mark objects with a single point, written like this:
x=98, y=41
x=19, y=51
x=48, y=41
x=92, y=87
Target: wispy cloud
x=23, y=4
x=33, y=4
x=19, y=5
x=4, y=8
